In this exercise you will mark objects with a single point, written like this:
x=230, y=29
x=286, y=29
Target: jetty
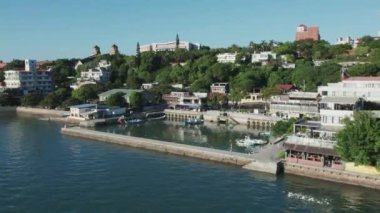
x=234, y=158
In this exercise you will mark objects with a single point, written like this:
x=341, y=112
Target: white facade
x=97, y=74
x=169, y=46
x=367, y=88
x=221, y=88
x=147, y=86
x=345, y=40
x=262, y=57
x=333, y=110
x=295, y=104
x=94, y=111
x=226, y=57
x=30, y=79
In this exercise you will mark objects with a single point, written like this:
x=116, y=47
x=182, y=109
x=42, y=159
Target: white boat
x=248, y=141
x=193, y=121
x=155, y=116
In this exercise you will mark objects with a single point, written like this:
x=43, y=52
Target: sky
x=51, y=29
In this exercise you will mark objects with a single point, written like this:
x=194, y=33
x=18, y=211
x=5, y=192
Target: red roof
x=363, y=78
x=285, y=87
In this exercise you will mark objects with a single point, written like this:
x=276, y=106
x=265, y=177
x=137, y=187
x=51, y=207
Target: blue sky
x=47, y=29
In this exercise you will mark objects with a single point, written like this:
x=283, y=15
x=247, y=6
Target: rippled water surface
x=42, y=171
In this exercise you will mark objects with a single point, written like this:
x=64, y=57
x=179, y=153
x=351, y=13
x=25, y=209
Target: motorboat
x=155, y=116
x=248, y=141
x=135, y=121
x=193, y=121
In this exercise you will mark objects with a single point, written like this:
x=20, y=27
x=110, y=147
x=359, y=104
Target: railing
x=316, y=142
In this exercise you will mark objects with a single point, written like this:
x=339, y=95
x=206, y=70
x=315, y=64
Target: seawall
x=41, y=112
x=234, y=158
x=7, y=109
x=369, y=181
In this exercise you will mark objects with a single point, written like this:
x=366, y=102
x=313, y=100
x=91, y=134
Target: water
x=43, y=171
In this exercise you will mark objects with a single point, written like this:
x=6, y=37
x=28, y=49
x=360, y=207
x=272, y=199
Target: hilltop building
x=114, y=50
x=226, y=57
x=307, y=33
x=170, y=46
x=30, y=79
x=263, y=57
x=96, y=50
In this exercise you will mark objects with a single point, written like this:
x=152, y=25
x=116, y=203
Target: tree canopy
x=359, y=141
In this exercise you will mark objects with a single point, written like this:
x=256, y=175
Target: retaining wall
x=42, y=112
x=328, y=174
x=221, y=156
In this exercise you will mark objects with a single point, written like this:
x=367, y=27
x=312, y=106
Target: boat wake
x=308, y=198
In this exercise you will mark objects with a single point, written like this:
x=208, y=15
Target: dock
x=234, y=158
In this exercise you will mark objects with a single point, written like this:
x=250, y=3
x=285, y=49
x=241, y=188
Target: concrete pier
x=221, y=156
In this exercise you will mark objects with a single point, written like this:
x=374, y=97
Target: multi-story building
x=226, y=57
x=169, y=46
x=307, y=33
x=345, y=40
x=262, y=57
x=221, y=88
x=367, y=88
x=30, y=79
x=295, y=105
x=99, y=74
x=183, y=100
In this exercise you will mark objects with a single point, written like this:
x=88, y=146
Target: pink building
x=305, y=33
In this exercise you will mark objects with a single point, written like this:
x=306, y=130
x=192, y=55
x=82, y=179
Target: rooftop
x=340, y=100
x=363, y=78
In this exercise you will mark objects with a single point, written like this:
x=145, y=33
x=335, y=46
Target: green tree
x=359, y=141
x=138, y=55
x=375, y=56
x=136, y=100
x=283, y=127
x=70, y=102
x=87, y=92
x=31, y=100
x=116, y=99
x=50, y=101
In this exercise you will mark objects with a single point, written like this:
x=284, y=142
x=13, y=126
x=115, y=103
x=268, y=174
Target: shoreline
x=239, y=159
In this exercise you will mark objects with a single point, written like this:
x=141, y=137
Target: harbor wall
x=221, y=156
x=41, y=112
x=370, y=181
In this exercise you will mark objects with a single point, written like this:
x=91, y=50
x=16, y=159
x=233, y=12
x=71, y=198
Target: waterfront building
x=169, y=46
x=221, y=88
x=226, y=57
x=30, y=79
x=94, y=111
x=253, y=98
x=295, y=105
x=183, y=100
x=263, y=57
x=307, y=33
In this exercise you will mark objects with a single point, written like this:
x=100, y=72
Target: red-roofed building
x=30, y=79
x=3, y=65
x=286, y=88
x=307, y=33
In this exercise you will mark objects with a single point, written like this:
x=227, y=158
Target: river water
x=43, y=171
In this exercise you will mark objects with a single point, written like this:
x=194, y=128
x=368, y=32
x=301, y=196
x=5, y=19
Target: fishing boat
x=248, y=141
x=193, y=121
x=155, y=116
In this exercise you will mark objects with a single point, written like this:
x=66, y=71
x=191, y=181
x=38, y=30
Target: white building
x=99, y=74
x=169, y=46
x=94, y=111
x=262, y=57
x=367, y=88
x=226, y=57
x=295, y=104
x=30, y=79
x=345, y=40
x=148, y=86
x=183, y=100
x=222, y=88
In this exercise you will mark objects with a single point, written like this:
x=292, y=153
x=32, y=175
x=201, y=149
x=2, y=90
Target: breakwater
x=369, y=181
x=234, y=158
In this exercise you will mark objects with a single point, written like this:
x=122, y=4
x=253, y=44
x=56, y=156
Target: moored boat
x=248, y=141
x=155, y=116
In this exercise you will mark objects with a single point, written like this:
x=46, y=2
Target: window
x=324, y=93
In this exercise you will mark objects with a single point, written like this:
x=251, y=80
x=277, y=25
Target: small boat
x=193, y=121
x=266, y=133
x=135, y=121
x=248, y=141
x=155, y=116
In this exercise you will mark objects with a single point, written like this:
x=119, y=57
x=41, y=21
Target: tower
x=96, y=50
x=30, y=65
x=114, y=50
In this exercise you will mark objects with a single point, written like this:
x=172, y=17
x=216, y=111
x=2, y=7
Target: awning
x=310, y=149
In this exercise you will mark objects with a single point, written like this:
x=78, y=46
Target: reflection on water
x=207, y=135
